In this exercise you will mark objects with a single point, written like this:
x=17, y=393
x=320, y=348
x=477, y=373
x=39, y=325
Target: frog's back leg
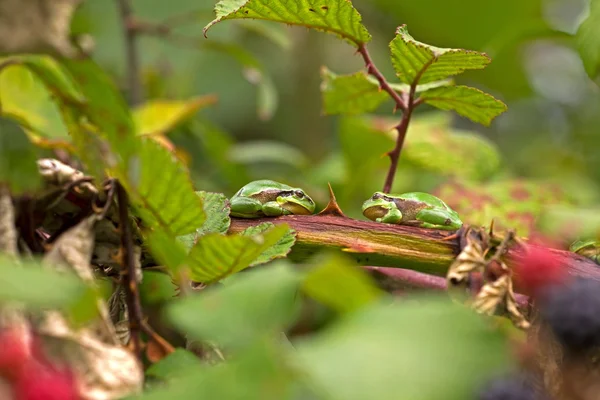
x=439, y=219
x=245, y=207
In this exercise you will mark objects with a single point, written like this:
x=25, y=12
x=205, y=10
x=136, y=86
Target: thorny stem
x=131, y=52
x=407, y=105
x=128, y=272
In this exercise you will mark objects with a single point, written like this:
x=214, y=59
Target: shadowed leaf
x=278, y=250
x=18, y=159
x=588, y=40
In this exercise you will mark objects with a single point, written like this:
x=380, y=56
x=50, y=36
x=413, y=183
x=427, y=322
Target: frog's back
x=256, y=186
x=424, y=197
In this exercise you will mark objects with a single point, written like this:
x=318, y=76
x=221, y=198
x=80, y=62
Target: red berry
x=536, y=269
x=41, y=382
x=15, y=352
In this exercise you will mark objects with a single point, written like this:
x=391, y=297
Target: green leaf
x=404, y=346
x=450, y=152
x=215, y=256
x=333, y=16
x=259, y=303
x=161, y=190
x=418, y=62
x=278, y=250
x=469, y=102
x=18, y=159
x=254, y=72
x=56, y=78
x=166, y=250
x=350, y=94
x=260, y=151
x=160, y=116
x=216, y=209
x=24, y=96
x=157, y=287
x=588, y=40
x=106, y=109
x=41, y=287
x=360, y=93
x=174, y=364
x=340, y=284
x=273, y=32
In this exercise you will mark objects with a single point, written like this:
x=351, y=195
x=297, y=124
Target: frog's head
x=378, y=206
x=296, y=202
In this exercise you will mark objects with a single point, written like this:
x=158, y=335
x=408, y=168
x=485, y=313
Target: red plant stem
x=128, y=272
x=131, y=52
x=394, y=155
x=420, y=280
x=383, y=83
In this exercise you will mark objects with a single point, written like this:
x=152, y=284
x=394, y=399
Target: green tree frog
x=269, y=198
x=415, y=208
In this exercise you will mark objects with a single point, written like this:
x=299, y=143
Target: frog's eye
x=377, y=196
x=299, y=194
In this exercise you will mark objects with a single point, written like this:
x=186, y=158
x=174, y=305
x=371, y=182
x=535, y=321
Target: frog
x=589, y=248
x=267, y=198
x=414, y=208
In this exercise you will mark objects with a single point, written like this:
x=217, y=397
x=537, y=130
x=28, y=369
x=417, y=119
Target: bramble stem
x=131, y=52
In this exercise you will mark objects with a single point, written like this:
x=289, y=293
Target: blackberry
x=573, y=313
x=511, y=387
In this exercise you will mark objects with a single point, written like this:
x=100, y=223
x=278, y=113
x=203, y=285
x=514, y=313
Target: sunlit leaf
x=340, y=284
x=334, y=16
x=469, y=102
x=18, y=159
x=278, y=250
x=405, y=357
x=259, y=303
x=416, y=61
x=161, y=116
x=161, y=190
x=257, y=151
x=215, y=256
x=588, y=40
x=41, y=287
x=25, y=97
x=216, y=208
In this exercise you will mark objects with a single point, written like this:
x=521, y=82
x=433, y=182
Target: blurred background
x=268, y=121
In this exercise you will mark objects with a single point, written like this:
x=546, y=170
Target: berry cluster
x=30, y=374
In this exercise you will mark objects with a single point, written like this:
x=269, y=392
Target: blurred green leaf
x=469, y=102
x=449, y=152
x=418, y=62
x=402, y=345
x=160, y=116
x=41, y=287
x=173, y=365
x=55, y=77
x=257, y=304
x=588, y=40
x=569, y=223
x=18, y=159
x=24, y=96
x=167, y=251
x=215, y=256
x=350, y=94
x=271, y=31
x=106, y=109
x=258, y=151
x=157, y=287
x=259, y=373
x=340, y=284
x=161, y=190
x=254, y=72
x=334, y=16
x=278, y=250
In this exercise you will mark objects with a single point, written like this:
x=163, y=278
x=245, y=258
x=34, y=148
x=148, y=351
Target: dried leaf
x=8, y=232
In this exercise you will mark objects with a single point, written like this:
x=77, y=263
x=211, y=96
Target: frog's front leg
x=245, y=207
x=436, y=218
x=274, y=209
x=393, y=216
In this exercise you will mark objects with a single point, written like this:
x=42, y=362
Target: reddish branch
x=407, y=106
x=131, y=52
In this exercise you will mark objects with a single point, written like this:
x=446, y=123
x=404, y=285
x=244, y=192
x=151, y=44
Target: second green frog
x=414, y=208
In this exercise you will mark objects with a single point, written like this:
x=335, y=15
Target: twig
x=407, y=105
x=131, y=52
x=128, y=272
